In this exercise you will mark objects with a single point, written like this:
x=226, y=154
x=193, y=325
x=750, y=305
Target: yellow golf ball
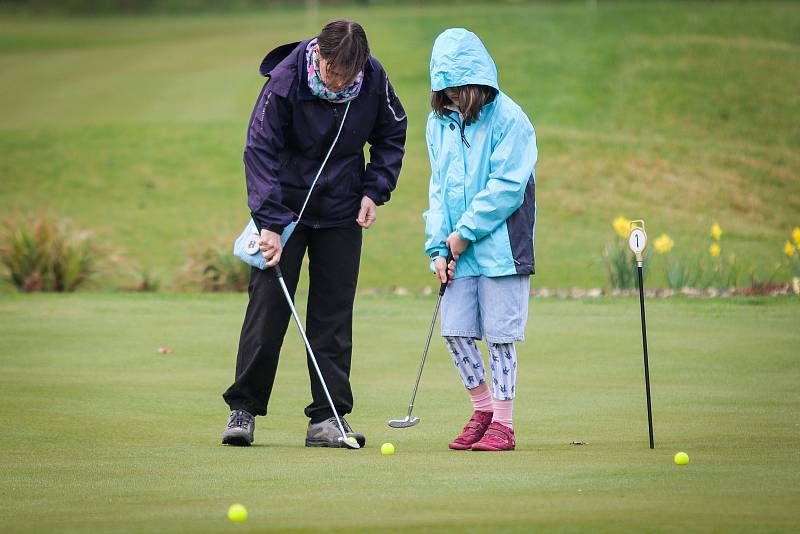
x=237, y=513
x=387, y=449
x=352, y=439
x=681, y=458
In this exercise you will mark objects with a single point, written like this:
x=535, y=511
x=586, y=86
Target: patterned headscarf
x=318, y=87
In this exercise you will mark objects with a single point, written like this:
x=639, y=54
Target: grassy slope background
x=682, y=114
x=104, y=434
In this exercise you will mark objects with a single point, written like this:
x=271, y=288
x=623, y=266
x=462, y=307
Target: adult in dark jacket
x=292, y=127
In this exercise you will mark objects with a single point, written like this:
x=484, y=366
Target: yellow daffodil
x=796, y=236
x=716, y=231
x=663, y=244
x=622, y=226
x=714, y=250
x=789, y=249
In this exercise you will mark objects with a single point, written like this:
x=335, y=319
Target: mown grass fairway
x=101, y=433
x=681, y=114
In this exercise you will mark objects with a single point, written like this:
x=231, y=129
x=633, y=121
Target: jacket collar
x=285, y=66
x=303, y=90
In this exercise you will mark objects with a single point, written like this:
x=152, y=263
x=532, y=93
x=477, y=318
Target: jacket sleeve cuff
x=439, y=253
x=261, y=224
x=375, y=196
x=277, y=228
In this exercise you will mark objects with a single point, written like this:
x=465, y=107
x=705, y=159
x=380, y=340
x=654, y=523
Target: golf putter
x=279, y=275
x=408, y=420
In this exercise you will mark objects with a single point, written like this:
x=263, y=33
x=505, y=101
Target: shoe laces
x=239, y=418
x=344, y=424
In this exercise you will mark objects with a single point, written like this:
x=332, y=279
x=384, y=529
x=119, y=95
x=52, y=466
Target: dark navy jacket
x=290, y=132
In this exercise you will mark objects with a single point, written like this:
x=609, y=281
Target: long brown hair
x=471, y=99
x=343, y=44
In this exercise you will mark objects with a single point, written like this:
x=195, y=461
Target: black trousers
x=334, y=255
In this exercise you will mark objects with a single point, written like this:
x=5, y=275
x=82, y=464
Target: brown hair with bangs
x=471, y=99
x=343, y=44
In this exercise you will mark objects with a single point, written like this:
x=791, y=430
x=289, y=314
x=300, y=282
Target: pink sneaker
x=473, y=432
x=497, y=437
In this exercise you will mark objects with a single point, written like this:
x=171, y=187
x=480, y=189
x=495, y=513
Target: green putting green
x=104, y=433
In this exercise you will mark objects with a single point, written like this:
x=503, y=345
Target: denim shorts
x=494, y=308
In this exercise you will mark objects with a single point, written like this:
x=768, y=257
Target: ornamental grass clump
x=680, y=271
x=40, y=254
x=215, y=268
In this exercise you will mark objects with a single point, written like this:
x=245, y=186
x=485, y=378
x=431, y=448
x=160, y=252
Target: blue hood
x=459, y=58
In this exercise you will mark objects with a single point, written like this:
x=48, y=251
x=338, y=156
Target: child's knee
x=467, y=359
x=503, y=362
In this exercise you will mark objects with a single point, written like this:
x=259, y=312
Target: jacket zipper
x=461, y=127
x=335, y=126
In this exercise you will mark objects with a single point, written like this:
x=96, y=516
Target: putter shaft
x=424, y=357
x=282, y=283
x=442, y=289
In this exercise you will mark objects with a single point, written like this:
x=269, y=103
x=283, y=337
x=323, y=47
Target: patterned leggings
x=469, y=363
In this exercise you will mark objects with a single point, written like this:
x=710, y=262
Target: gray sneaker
x=326, y=434
x=239, y=430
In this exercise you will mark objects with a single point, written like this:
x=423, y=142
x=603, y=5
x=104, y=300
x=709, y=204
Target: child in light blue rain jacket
x=482, y=208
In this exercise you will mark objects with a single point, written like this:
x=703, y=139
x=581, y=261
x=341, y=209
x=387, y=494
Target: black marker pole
x=637, y=240
x=644, y=347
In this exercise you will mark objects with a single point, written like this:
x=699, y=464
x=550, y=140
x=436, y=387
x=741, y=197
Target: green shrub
x=41, y=254
x=215, y=268
x=143, y=279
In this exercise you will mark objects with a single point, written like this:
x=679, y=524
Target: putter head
x=403, y=423
x=350, y=444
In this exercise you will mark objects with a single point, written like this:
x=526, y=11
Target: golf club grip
x=443, y=287
x=277, y=271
